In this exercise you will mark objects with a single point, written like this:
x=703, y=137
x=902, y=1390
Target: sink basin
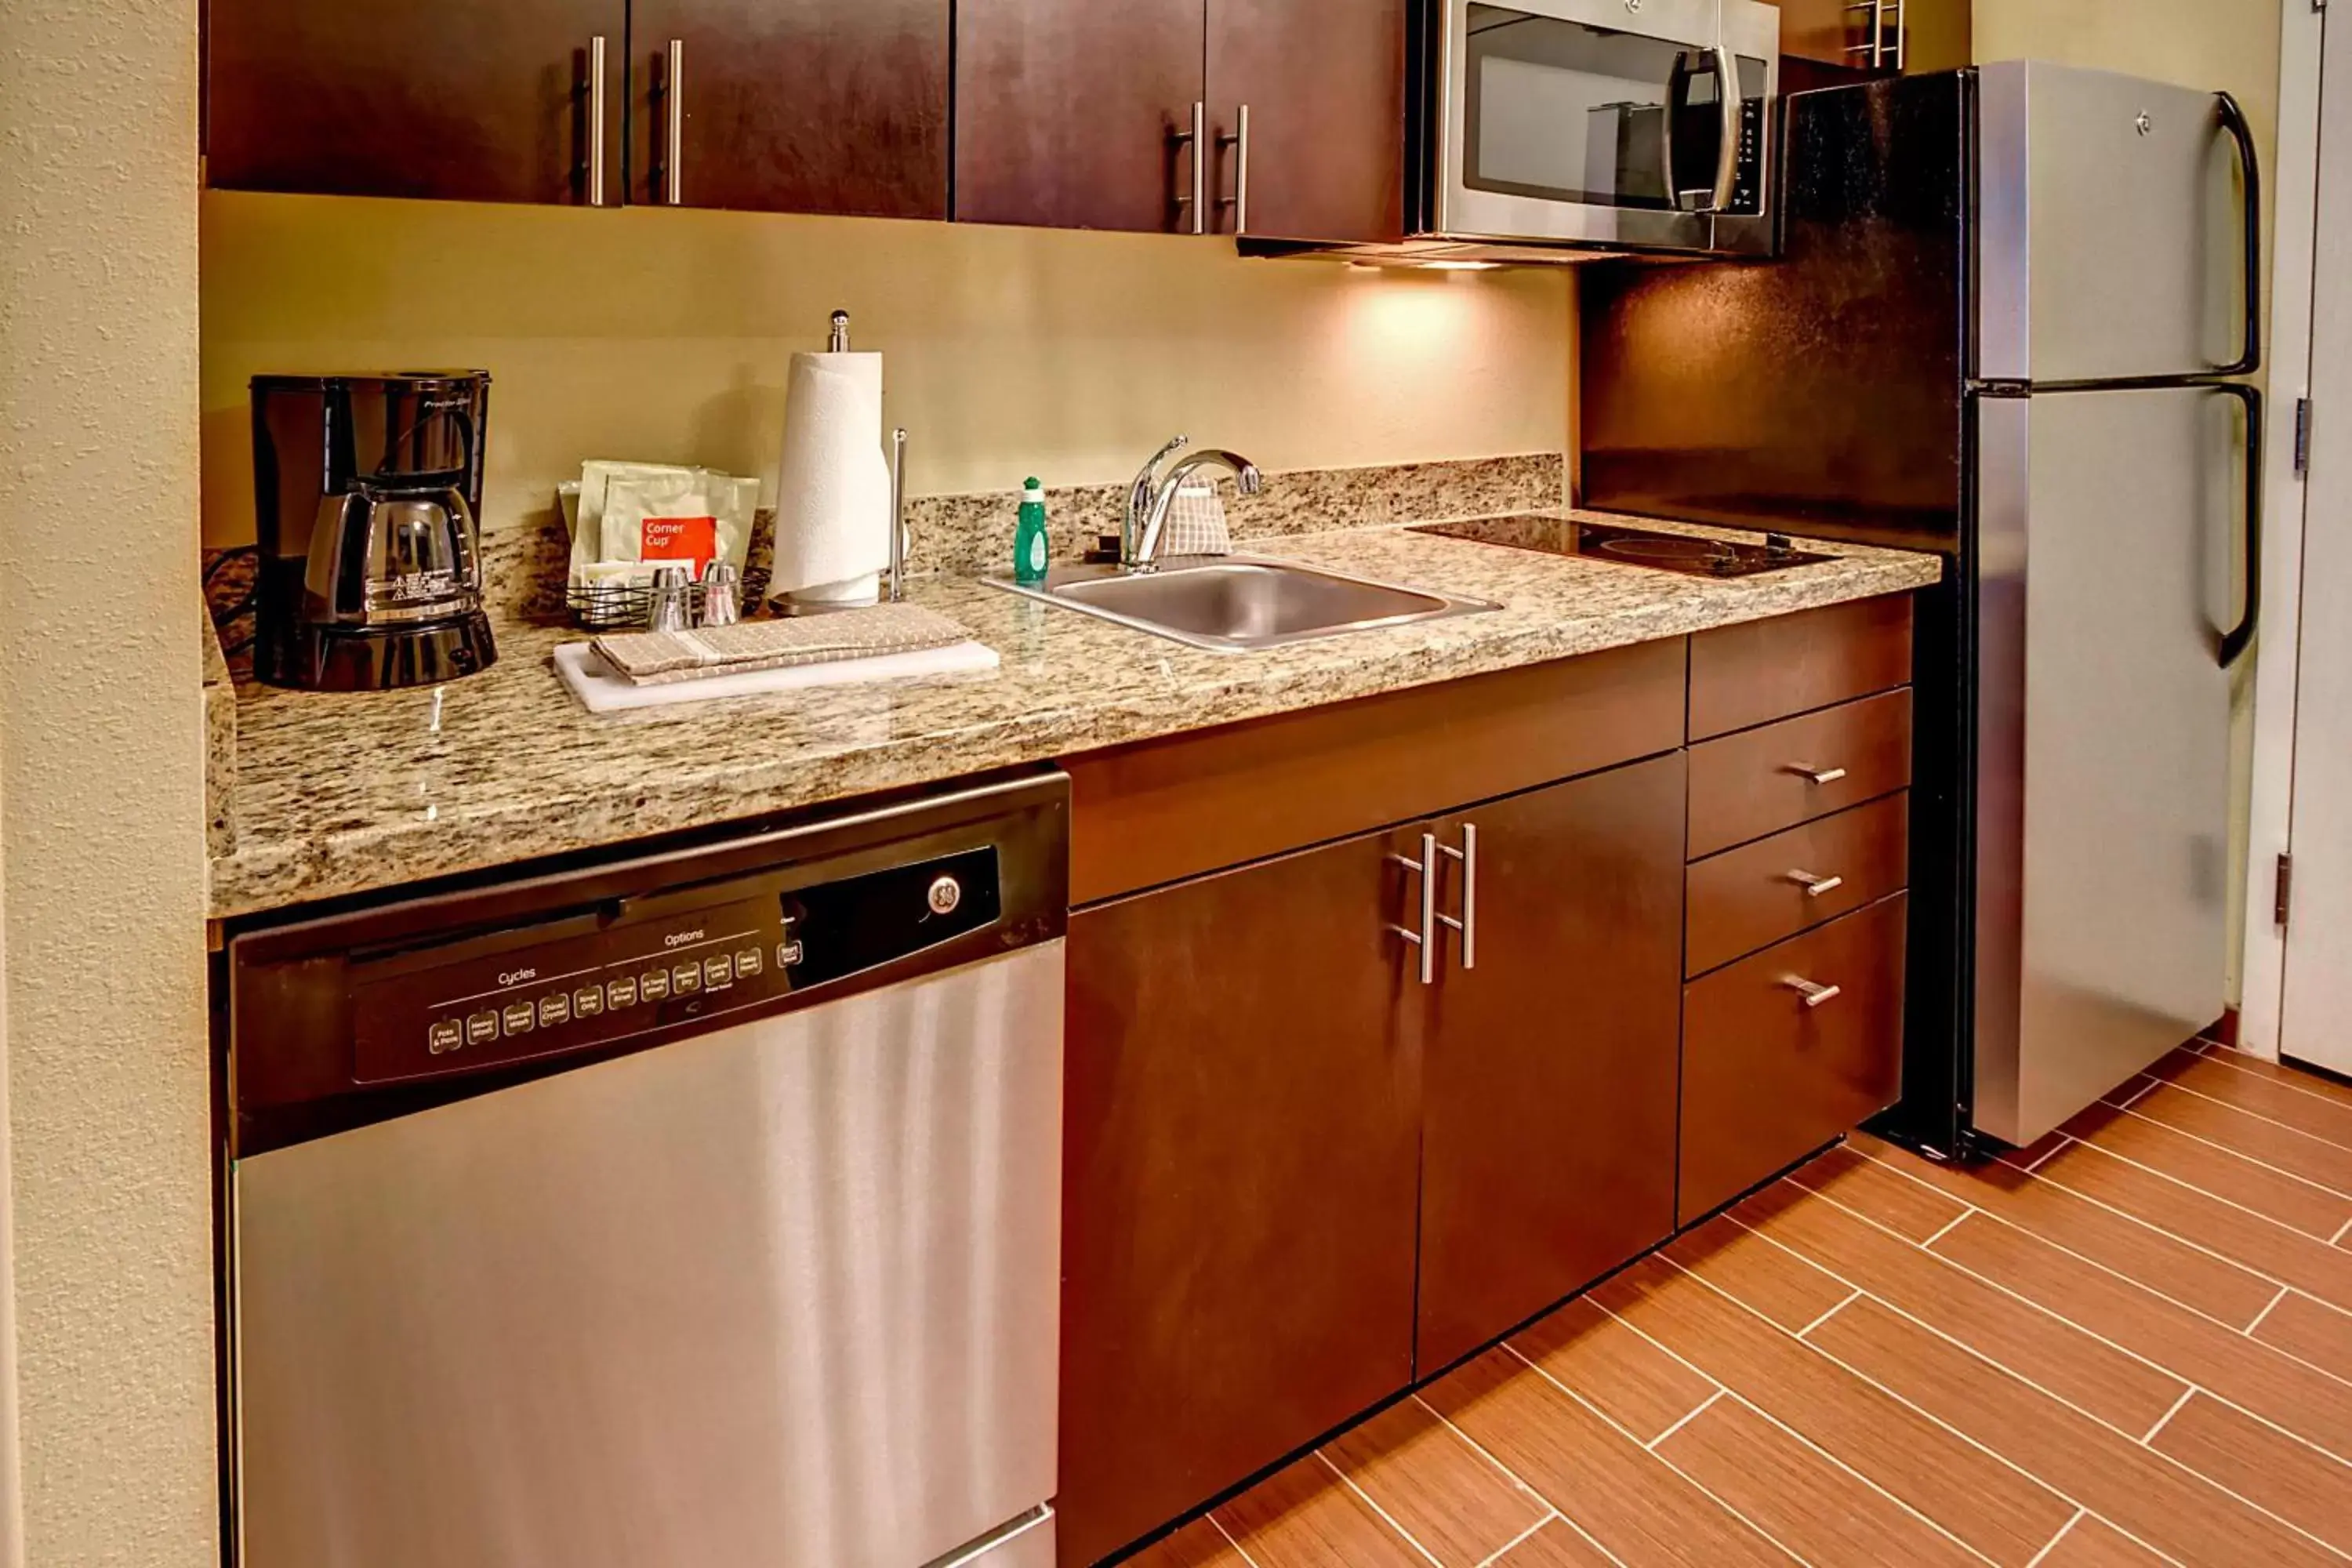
x=1234, y=604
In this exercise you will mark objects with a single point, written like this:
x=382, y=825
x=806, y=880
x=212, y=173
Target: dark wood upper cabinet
x=1323, y=82
x=806, y=106
x=1865, y=40
x=1550, y=1069
x=417, y=97
x=1241, y=1141
x=1066, y=111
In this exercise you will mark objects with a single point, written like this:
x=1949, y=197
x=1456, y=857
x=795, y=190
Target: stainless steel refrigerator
x=2010, y=320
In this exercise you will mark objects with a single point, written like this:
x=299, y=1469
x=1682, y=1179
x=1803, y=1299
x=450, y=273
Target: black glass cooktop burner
x=1684, y=553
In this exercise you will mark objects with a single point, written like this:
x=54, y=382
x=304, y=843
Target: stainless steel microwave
x=1637, y=125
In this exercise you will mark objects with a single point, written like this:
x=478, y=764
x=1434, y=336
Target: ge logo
x=1634, y=7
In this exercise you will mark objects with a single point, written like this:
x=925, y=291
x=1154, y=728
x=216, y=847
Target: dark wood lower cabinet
x=1242, y=1154
x=1549, y=1088
x=1767, y=1078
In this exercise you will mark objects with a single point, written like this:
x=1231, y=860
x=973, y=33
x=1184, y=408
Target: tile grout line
x=1406, y=1535
x=1832, y=1312
x=1942, y=1230
x=1966, y=1348
x=1239, y=1550
x=2230, y=1150
x=2341, y=1232
x=2088, y=1261
x=2063, y=1530
x=1483, y=1452
x=1693, y=1481
x=1505, y=1549
x=2149, y=1225
x=2221, y=1055
x=2186, y=1395
x=1994, y=1454
x=1692, y=1414
x=2319, y=1138
x=2183, y=1183
x=2148, y=1086
x=2045, y=1156
x=1672, y=1353
x=2266, y=1311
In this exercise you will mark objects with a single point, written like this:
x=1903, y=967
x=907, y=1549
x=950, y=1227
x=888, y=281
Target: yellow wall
x=663, y=335
x=107, y=1175
x=2230, y=44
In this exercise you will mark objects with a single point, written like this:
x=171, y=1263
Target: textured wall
x=660, y=334
x=101, y=799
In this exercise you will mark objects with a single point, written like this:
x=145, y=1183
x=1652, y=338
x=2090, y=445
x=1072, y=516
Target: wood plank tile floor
x=2129, y=1344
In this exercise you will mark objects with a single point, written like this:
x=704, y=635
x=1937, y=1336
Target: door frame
x=2270, y=783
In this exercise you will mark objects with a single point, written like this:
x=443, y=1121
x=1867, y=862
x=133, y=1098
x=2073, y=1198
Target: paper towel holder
x=898, y=514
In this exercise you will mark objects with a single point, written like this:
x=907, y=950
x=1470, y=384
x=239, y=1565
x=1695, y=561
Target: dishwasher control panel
x=592, y=978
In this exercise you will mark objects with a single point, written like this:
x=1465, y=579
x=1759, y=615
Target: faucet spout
x=1145, y=553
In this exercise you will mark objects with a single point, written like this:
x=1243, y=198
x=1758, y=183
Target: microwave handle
x=1726, y=95
x=1677, y=94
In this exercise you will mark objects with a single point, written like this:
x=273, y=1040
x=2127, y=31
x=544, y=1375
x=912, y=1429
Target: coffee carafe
x=366, y=491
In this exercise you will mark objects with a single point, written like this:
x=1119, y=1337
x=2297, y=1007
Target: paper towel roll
x=832, y=489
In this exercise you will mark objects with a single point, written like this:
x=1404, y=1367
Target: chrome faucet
x=1153, y=495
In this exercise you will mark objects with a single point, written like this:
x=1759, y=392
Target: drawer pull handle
x=1815, y=994
x=1816, y=886
x=1425, y=938
x=1813, y=775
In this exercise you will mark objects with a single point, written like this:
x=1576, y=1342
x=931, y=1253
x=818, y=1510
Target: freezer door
x=2110, y=227
x=2104, y=544
x=783, y=1293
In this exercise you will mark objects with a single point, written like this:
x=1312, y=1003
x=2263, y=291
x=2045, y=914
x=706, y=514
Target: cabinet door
x=1242, y=1137
x=1550, y=1072
x=417, y=97
x=808, y=106
x=1874, y=37
x=1323, y=81
x=1065, y=111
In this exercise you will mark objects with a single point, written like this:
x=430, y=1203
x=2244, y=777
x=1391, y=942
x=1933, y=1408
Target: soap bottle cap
x=1031, y=489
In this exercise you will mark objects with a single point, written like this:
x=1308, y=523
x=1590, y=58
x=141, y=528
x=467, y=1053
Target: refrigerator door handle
x=2239, y=638
x=2233, y=120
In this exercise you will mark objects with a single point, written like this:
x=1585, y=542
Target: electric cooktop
x=1684, y=553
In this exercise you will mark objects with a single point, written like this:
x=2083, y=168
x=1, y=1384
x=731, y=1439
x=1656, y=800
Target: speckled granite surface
x=340, y=795
x=220, y=744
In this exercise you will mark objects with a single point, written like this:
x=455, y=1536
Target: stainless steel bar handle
x=898, y=515
x=1814, y=993
x=675, y=85
x=1239, y=143
x=1900, y=48
x=1468, y=924
x=1813, y=775
x=596, y=120
x=1197, y=140
x=1816, y=886
x=1726, y=161
x=1425, y=938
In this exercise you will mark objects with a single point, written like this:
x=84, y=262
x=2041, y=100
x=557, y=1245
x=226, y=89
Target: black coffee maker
x=367, y=490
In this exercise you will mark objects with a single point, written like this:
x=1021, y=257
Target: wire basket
x=621, y=606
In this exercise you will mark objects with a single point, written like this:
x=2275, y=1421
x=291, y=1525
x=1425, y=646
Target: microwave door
x=1557, y=128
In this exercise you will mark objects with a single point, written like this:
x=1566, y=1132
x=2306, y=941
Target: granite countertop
x=340, y=795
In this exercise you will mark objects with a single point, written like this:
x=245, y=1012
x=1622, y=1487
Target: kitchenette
x=781, y=996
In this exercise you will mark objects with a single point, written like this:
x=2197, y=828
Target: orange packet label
x=694, y=539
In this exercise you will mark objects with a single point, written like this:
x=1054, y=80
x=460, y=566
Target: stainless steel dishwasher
x=701, y=1208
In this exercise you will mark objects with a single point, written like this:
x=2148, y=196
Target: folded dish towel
x=659, y=658
x=1196, y=522
x=602, y=690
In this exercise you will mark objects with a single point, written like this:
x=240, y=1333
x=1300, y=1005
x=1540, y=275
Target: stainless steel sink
x=1234, y=604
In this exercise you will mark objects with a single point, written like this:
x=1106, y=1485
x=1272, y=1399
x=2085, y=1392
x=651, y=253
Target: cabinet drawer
x=1747, y=785
x=1766, y=1077
x=1750, y=898
x=1747, y=675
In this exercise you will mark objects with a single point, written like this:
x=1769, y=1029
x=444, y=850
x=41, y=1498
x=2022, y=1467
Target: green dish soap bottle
x=1031, y=550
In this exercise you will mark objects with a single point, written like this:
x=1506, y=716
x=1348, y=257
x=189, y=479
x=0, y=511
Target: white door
x=2315, y=1010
